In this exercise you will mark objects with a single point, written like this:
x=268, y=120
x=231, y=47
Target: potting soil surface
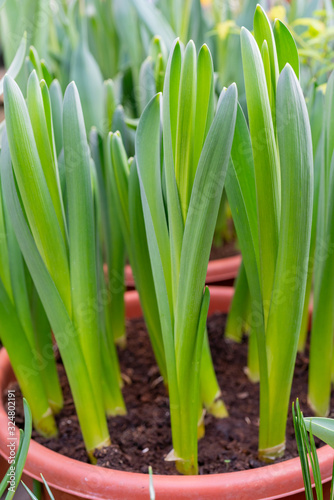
x=143, y=436
x=227, y=249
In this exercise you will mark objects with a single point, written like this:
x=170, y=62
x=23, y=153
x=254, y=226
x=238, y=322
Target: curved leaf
x=323, y=428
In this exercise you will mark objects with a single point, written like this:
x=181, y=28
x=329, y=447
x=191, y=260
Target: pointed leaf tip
x=191, y=44
x=7, y=81
x=288, y=73
x=232, y=90
x=245, y=34
x=71, y=92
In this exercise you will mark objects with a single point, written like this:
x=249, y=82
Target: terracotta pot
x=218, y=271
x=70, y=479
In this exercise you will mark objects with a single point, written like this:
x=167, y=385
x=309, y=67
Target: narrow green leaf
x=47, y=488
x=119, y=173
x=30, y=493
x=34, y=191
x=56, y=98
x=110, y=105
x=130, y=213
x=39, y=108
x=200, y=225
x=321, y=350
x=315, y=467
x=329, y=134
x=286, y=47
x=143, y=274
x=81, y=233
x=46, y=73
x=239, y=309
x=267, y=174
x=296, y=158
x=241, y=195
x=204, y=101
x=164, y=307
x=262, y=32
x=49, y=125
x=18, y=281
x=149, y=171
x=4, y=253
x=302, y=451
x=169, y=118
x=89, y=412
x=26, y=442
x=266, y=64
x=36, y=62
x=185, y=170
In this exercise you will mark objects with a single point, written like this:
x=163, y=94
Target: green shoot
x=273, y=225
x=179, y=239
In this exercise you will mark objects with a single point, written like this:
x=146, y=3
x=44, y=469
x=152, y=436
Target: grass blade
x=302, y=449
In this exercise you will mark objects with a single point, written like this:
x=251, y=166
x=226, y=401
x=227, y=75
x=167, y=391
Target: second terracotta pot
x=219, y=271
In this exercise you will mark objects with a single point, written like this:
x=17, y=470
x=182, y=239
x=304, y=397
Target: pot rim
x=88, y=481
x=218, y=270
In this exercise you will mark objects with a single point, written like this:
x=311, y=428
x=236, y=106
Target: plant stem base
x=46, y=426
x=269, y=455
x=90, y=453
x=218, y=409
x=320, y=410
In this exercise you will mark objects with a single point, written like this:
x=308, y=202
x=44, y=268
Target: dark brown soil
x=143, y=437
x=227, y=249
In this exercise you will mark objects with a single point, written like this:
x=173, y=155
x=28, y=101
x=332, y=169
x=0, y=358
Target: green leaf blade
x=149, y=170
x=200, y=223
x=81, y=232
x=43, y=134
x=286, y=47
x=296, y=158
x=34, y=190
x=323, y=428
x=267, y=174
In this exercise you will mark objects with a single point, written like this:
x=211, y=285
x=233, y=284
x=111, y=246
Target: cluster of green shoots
x=87, y=182
x=318, y=259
